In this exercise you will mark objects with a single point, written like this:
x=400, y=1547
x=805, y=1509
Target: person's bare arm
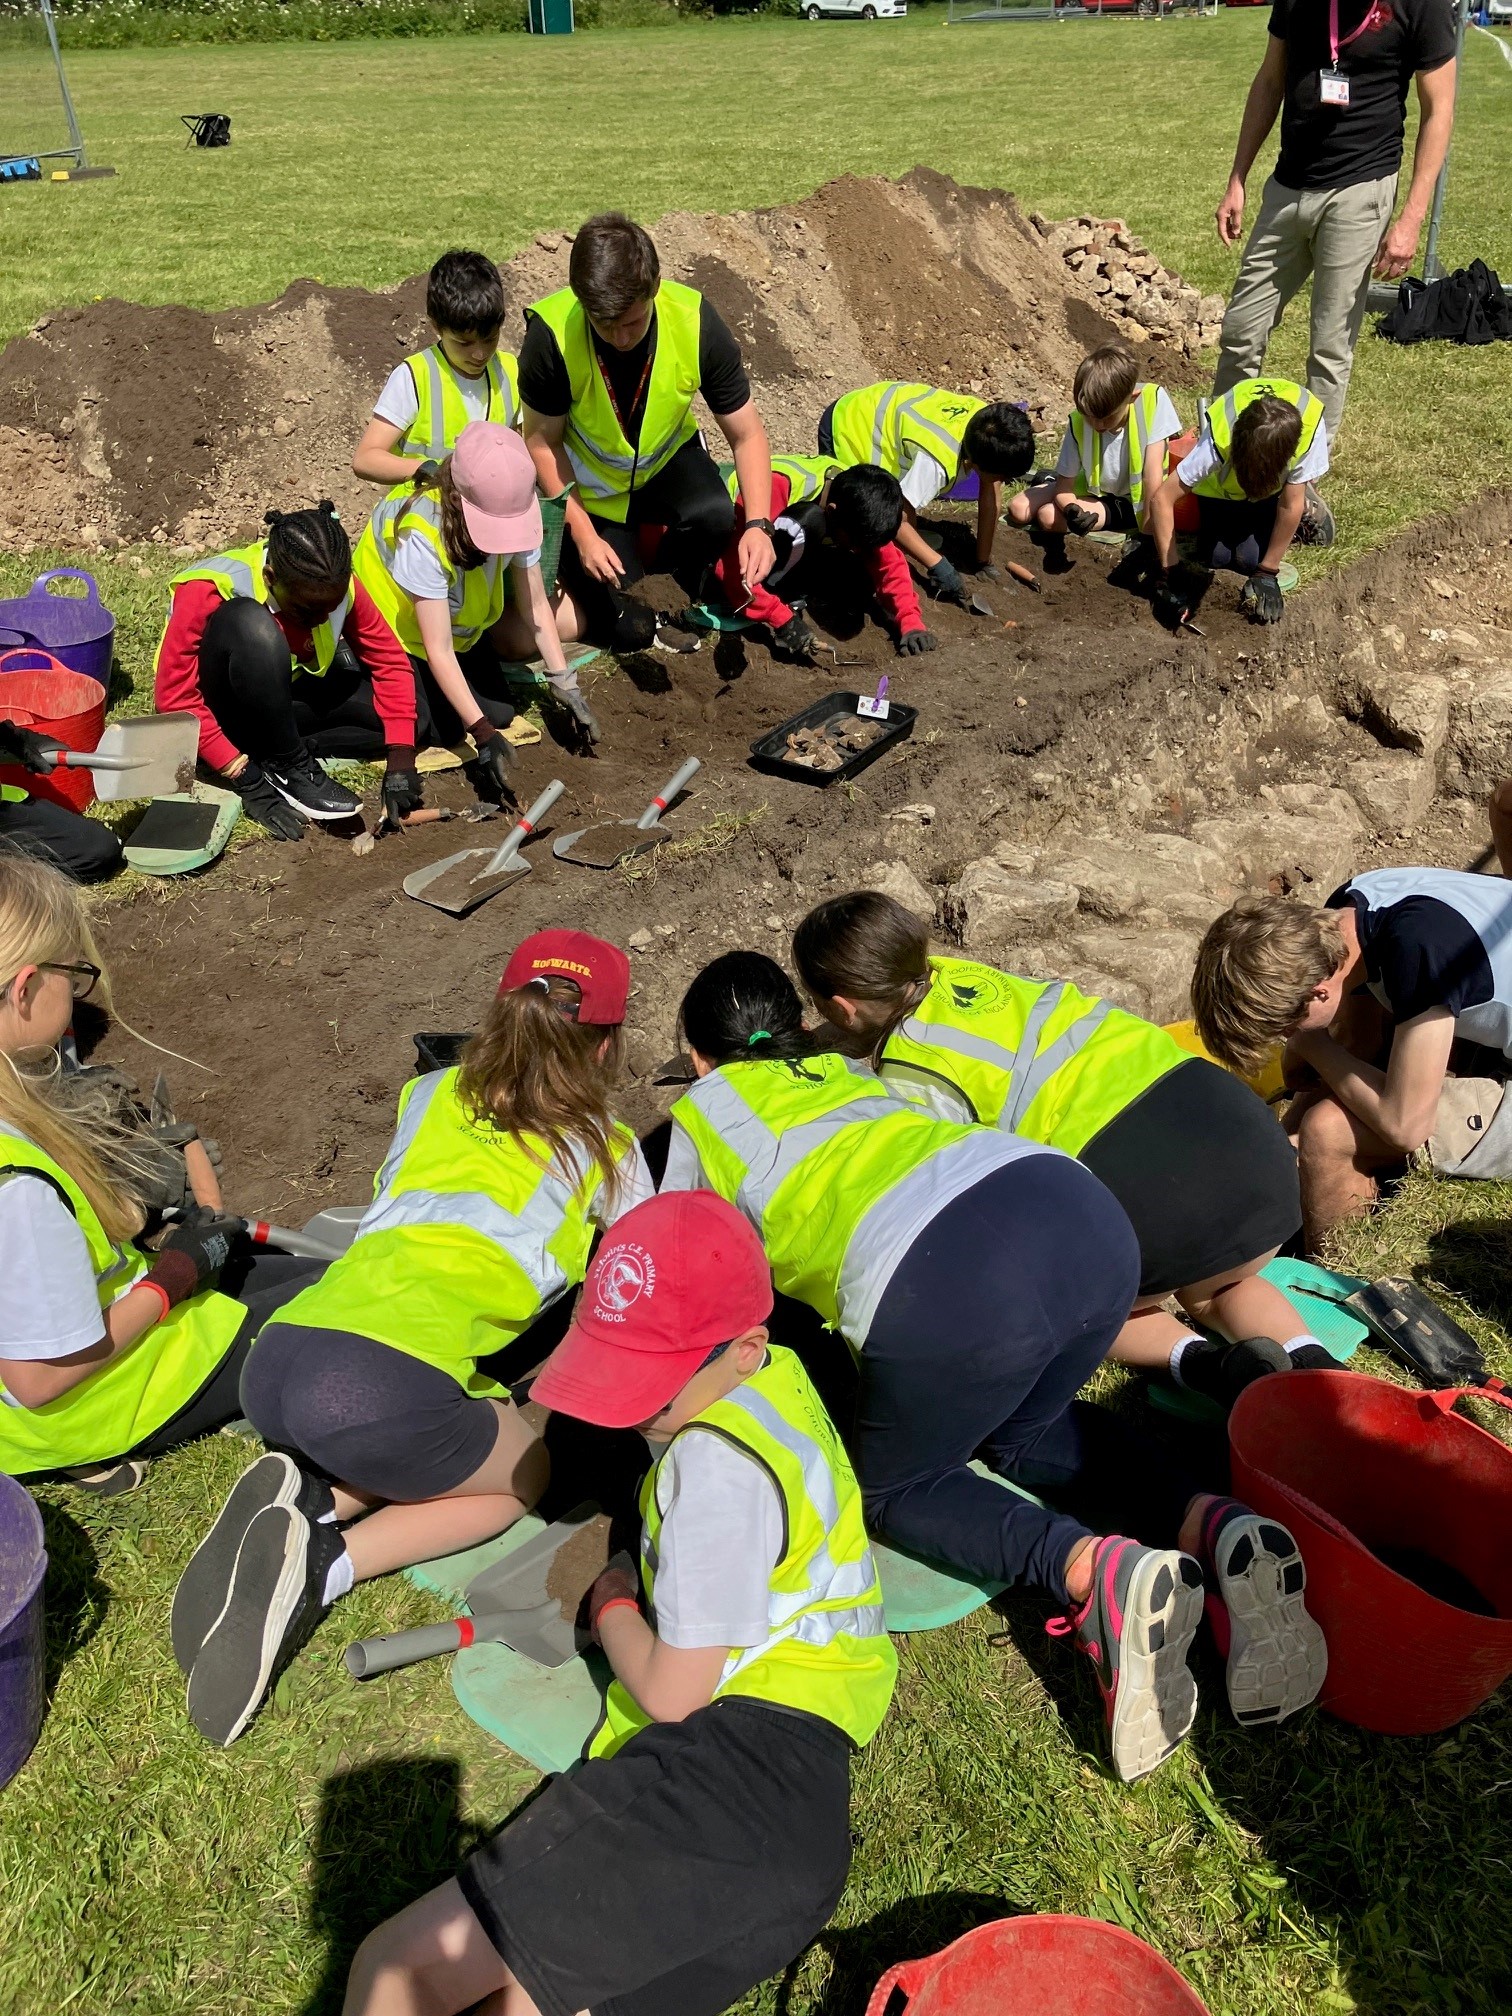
x=1161, y=518
x=913, y=542
x=33, y=1382
x=1154, y=477
x=668, y=1682
x=545, y=437
x=1399, y=241
x=433, y=620
x=747, y=436
x=529, y=588
x=1260, y=109
x=374, y=459
x=1288, y=518
x=989, y=505
x=1398, y=1104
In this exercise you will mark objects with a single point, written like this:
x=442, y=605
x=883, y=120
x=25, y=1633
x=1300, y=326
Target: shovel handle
x=301, y=1244
x=387, y=1654
x=204, y=1184
x=91, y=759
x=667, y=793
x=1019, y=572
x=523, y=827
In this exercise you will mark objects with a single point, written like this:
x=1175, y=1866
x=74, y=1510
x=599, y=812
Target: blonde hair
x=43, y=921
x=1105, y=380
x=1257, y=967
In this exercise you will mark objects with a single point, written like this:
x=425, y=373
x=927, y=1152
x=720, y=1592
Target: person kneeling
x=707, y=1839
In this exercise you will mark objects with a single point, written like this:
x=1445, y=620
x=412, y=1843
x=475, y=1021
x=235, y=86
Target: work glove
x=1261, y=599
x=194, y=1252
x=26, y=747
x=163, y=1183
x=425, y=476
x=577, y=706
x=493, y=762
x=402, y=791
x=985, y=570
x=946, y=585
x=914, y=643
x=267, y=806
x=1170, y=605
x=793, y=640
x=1079, y=519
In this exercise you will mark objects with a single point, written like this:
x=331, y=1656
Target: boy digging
x=706, y=1841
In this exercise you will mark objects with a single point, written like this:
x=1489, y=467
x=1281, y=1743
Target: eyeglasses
x=82, y=975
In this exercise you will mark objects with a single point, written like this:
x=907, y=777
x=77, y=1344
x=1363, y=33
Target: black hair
x=868, y=506
x=465, y=295
x=309, y=549
x=999, y=440
x=741, y=1007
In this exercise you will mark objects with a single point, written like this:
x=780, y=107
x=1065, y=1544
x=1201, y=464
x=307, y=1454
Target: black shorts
x=1205, y=1172
x=1118, y=514
x=364, y=1414
x=669, y=1879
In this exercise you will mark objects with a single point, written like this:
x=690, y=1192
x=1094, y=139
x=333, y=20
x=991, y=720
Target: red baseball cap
x=676, y=1276
x=600, y=970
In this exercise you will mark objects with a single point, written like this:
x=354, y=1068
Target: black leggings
x=81, y=847
x=1234, y=532
x=267, y=706
x=994, y=1319
x=436, y=720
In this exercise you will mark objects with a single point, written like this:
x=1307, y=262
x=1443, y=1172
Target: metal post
x=76, y=139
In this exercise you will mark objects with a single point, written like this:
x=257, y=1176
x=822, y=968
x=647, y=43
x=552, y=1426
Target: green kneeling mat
x=1317, y=1294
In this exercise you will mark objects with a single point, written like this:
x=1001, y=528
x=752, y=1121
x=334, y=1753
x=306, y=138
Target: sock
x=1300, y=1343
x=1179, y=1350
x=327, y=1518
x=339, y=1578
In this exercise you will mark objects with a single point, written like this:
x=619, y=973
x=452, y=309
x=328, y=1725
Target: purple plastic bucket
x=23, y=1568
x=78, y=630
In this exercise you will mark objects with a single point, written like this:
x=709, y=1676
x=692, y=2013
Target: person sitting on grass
x=110, y=1353
x=707, y=1839
x=1394, y=1002
x=1262, y=448
x=368, y=1389
x=464, y=375
x=1111, y=462
x=1196, y=1159
x=929, y=439
x=835, y=532
x=285, y=659
x=84, y=848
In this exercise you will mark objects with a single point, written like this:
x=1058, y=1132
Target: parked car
x=1498, y=10
x=860, y=10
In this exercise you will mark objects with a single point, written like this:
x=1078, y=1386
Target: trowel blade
x=455, y=883
x=609, y=843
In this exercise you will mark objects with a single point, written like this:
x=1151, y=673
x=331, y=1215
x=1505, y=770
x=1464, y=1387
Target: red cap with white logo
x=673, y=1278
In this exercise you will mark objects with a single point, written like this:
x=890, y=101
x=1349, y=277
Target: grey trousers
x=1331, y=234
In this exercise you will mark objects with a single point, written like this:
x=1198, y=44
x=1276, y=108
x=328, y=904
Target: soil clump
x=577, y=1566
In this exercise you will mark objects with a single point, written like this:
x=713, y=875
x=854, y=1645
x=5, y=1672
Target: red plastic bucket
x=1176, y=453
x=1355, y=1465
x=1046, y=1966
x=37, y=692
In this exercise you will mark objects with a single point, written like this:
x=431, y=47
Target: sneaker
x=300, y=779
x=1137, y=1627
x=276, y=1598
x=1317, y=526
x=107, y=1480
x=1276, y=1655
x=274, y=1479
x=1222, y=1371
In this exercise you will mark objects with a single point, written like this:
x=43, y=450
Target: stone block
x=895, y=879
x=1480, y=732
x=1394, y=790
x=992, y=906
x=1407, y=710
x=1300, y=839
x=1148, y=972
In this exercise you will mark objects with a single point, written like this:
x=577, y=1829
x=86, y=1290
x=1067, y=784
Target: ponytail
x=534, y=1069
x=742, y=1008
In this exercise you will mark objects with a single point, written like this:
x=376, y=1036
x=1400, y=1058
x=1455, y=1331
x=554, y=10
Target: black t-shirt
x=545, y=387
x=1420, y=954
x=1334, y=146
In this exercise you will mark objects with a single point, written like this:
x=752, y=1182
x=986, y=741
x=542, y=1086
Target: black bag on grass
x=207, y=129
x=1467, y=306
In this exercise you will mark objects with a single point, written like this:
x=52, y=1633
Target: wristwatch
x=760, y=525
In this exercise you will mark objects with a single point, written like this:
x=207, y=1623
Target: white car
x=1499, y=10
x=863, y=10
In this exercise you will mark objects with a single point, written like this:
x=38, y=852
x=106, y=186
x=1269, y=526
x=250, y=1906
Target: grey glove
x=577, y=706
x=946, y=585
x=1261, y=599
x=913, y=643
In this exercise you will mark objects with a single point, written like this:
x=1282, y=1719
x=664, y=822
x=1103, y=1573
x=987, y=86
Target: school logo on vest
x=629, y=1273
x=979, y=995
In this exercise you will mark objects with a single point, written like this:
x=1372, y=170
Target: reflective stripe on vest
x=827, y=1652
x=1139, y=432
x=770, y=1157
x=881, y=423
x=604, y=464
x=241, y=572
x=806, y=475
x=484, y=589
x=441, y=415
x=1223, y=415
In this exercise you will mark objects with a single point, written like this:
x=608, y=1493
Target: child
x=463, y=376
x=83, y=848
x=1207, y=1178
x=981, y=1280
x=828, y=519
x=109, y=1354
x=928, y=439
x=368, y=1388
x=285, y=659
x=1262, y=448
x=1428, y=946
x=453, y=560
x=1113, y=456
x=707, y=1840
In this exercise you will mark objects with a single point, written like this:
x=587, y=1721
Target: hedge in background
x=123, y=24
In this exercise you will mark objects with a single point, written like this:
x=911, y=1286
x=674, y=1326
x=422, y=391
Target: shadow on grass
x=909, y=1930
x=75, y=1599
x=1473, y=1260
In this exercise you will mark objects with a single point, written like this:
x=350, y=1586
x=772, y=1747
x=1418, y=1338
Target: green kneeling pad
x=1318, y=1296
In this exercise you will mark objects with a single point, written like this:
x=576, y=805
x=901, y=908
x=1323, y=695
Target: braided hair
x=309, y=549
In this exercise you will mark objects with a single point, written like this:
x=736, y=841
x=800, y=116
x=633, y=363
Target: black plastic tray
x=768, y=751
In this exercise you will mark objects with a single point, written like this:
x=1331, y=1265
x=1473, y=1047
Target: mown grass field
x=1315, y=1870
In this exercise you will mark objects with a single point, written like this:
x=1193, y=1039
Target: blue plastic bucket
x=23, y=1569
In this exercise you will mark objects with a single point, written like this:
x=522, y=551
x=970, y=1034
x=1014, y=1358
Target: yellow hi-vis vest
x=1223, y=415
x=240, y=572
x=132, y=1396
x=442, y=416
x=806, y=475
x=484, y=589
x=836, y=1173
x=605, y=465
x=469, y=1235
x=1139, y=432
x=1036, y=1058
x=827, y=1651
x=889, y=424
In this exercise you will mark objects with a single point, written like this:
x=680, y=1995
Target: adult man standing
x=1337, y=71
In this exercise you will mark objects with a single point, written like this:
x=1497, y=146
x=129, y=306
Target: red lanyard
x=640, y=390
x=1375, y=15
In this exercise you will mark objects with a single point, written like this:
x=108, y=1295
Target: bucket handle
x=33, y=652
x=68, y=574
x=1494, y=1389
x=905, y=1978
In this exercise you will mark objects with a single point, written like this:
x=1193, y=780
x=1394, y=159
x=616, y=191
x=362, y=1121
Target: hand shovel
x=460, y=882
x=148, y=756
x=616, y=840
x=519, y=1629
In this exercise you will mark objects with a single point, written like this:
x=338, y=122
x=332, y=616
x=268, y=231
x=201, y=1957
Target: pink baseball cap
x=673, y=1278
x=496, y=481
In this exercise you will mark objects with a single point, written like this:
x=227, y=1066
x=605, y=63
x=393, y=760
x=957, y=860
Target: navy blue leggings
x=1234, y=532
x=995, y=1318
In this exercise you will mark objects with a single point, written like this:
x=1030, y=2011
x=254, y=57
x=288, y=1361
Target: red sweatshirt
x=378, y=650
x=891, y=579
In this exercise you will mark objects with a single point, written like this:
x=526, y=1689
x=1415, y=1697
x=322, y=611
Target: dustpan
x=460, y=882
x=614, y=840
x=147, y=756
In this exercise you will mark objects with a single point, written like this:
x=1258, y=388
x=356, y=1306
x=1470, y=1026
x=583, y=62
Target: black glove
x=271, y=810
x=577, y=706
x=946, y=585
x=26, y=747
x=914, y=643
x=195, y=1251
x=425, y=476
x=793, y=640
x=494, y=760
x=1261, y=599
x=1079, y=519
x=1171, y=606
x=402, y=791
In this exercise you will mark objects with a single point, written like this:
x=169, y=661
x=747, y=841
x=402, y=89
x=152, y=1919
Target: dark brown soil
x=577, y=1566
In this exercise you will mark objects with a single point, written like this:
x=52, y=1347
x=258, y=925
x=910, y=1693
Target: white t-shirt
x=924, y=479
x=422, y=577
x=1115, y=447
x=1309, y=467
x=722, y=1535
x=399, y=402
x=50, y=1307
x=634, y=1187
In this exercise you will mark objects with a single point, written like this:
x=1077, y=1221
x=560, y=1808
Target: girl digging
x=369, y=1390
